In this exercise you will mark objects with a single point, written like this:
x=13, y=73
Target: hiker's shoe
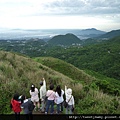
x=35, y=109
x=42, y=111
x=39, y=109
x=45, y=112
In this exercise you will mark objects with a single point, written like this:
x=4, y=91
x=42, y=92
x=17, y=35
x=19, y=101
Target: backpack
x=31, y=106
x=66, y=103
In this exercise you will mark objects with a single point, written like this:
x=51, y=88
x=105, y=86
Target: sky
x=60, y=14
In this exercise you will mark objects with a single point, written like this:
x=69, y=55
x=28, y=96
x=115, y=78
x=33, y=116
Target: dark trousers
x=17, y=115
x=29, y=117
x=61, y=104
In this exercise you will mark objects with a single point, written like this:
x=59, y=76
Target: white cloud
x=102, y=14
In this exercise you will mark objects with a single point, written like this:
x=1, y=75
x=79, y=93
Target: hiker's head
x=69, y=91
x=58, y=88
x=33, y=88
x=16, y=96
x=51, y=87
x=23, y=97
x=41, y=83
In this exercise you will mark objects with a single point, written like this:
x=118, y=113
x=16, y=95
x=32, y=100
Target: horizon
x=50, y=29
x=60, y=14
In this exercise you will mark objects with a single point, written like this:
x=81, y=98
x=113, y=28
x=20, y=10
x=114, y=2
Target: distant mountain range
x=47, y=34
x=110, y=34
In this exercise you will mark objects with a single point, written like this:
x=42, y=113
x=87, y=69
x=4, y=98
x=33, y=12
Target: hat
x=69, y=91
x=41, y=83
x=32, y=86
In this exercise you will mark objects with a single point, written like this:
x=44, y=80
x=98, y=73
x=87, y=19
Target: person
x=35, y=97
x=43, y=94
x=50, y=100
x=28, y=107
x=15, y=105
x=69, y=100
x=59, y=98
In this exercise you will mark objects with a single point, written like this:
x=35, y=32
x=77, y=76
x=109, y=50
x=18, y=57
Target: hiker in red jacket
x=16, y=106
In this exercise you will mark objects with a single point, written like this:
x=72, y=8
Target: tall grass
x=17, y=73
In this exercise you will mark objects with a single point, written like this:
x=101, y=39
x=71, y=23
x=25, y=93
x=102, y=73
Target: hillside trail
x=39, y=112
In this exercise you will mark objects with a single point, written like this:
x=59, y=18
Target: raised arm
x=44, y=82
x=65, y=89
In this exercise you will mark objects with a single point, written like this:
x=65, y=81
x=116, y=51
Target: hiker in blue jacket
x=28, y=107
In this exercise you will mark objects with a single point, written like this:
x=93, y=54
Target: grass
x=18, y=72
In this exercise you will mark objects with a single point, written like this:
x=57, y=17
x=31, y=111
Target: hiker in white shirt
x=70, y=100
x=59, y=99
x=43, y=94
x=34, y=97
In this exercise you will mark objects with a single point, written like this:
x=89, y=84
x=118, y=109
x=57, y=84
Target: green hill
x=68, y=39
x=86, y=77
x=89, y=79
x=66, y=69
x=18, y=72
x=111, y=34
x=103, y=57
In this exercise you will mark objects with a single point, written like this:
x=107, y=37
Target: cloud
x=78, y=7
x=60, y=13
x=58, y=7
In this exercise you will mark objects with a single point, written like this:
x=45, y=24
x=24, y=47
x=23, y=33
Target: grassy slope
x=103, y=57
x=85, y=77
x=66, y=69
x=17, y=73
x=90, y=101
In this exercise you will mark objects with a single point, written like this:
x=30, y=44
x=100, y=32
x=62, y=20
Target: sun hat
x=69, y=91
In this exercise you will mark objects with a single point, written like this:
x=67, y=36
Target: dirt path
x=39, y=112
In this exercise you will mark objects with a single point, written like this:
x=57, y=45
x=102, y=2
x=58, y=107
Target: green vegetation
x=103, y=57
x=111, y=34
x=91, y=70
x=17, y=73
x=92, y=79
x=66, y=69
x=65, y=40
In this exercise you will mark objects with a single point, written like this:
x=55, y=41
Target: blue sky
x=60, y=14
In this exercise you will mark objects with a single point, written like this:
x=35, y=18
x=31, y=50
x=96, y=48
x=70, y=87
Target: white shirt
x=69, y=98
x=43, y=89
x=34, y=95
x=59, y=99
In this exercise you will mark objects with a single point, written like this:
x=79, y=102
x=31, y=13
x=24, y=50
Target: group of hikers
x=43, y=101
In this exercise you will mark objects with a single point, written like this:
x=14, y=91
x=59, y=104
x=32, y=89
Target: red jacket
x=16, y=106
